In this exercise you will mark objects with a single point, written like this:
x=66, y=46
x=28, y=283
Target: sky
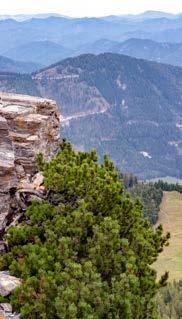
x=80, y=8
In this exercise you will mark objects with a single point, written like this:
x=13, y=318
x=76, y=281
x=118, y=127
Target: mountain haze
x=42, y=52
x=47, y=39
x=169, y=53
x=9, y=65
x=75, y=32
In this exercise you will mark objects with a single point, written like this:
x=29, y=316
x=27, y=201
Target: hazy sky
x=79, y=8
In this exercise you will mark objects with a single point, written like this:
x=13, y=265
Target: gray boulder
x=8, y=283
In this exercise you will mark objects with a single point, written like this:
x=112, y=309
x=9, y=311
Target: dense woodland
x=148, y=193
x=164, y=186
x=86, y=251
x=137, y=113
x=18, y=83
x=151, y=198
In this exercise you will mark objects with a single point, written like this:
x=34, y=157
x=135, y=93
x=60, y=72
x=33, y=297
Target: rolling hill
x=75, y=32
x=169, y=53
x=150, y=14
x=47, y=39
x=42, y=52
x=9, y=65
x=46, y=53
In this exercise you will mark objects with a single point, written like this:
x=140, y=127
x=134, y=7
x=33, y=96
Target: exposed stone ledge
x=28, y=125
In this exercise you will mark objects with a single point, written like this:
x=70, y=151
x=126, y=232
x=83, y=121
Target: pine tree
x=86, y=252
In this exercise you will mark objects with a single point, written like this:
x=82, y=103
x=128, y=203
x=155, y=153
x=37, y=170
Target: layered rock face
x=28, y=126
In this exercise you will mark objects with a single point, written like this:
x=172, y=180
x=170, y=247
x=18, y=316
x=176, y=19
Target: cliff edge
x=28, y=125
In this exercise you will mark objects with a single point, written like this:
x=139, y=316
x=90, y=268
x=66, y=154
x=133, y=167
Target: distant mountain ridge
x=144, y=15
x=75, y=32
x=24, y=17
x=9, y=65
x=45, y=53
x=42, y=52
x=127, y=107
x=170, y=53
x=49, y=38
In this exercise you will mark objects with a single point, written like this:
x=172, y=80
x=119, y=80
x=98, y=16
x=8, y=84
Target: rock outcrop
x=28, y=126
x=8, y=283
x=6, y=312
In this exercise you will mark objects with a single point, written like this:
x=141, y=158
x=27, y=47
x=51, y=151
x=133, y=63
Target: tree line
x=169, y=187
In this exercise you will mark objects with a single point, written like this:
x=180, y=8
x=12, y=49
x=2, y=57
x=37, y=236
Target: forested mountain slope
x=163, y=52
x=129, y=108
x=18, y=83
x=170, y=53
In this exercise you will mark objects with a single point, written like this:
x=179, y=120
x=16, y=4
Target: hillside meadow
x=170, y=217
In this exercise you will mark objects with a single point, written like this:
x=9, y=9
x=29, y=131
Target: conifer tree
x=86, y=252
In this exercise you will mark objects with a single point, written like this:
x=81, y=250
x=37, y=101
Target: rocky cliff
x=28, y=125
